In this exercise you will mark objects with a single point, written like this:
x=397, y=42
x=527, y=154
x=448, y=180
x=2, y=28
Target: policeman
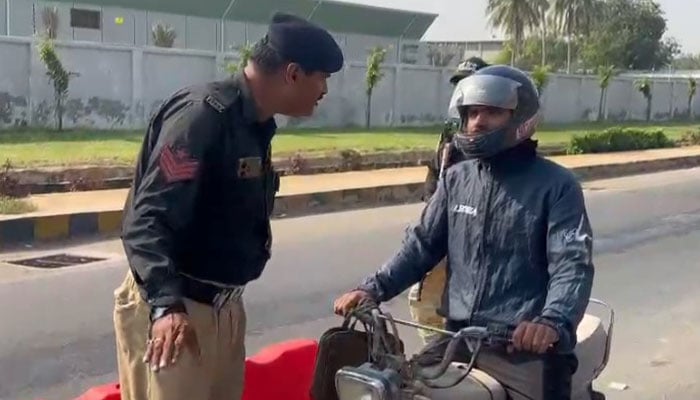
x=424, y=297
x=196, y=228
x=516, y=232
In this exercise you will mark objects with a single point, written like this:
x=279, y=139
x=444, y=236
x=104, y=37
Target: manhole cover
x=55, y=261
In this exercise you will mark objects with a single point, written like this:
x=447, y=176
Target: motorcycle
x=390, y=375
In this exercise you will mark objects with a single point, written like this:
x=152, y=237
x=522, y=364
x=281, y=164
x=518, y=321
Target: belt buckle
x=226, y=295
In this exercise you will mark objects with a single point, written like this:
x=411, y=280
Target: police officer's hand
x=345, y=303
x=533, y=337
x=170, y=334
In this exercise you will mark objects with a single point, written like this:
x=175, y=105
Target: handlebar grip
x=362, y=311
x=501, y=333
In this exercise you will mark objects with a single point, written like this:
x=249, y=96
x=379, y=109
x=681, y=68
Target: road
x=56, y=335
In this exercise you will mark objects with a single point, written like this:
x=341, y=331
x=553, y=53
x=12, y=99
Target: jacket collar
x=515, y=157
x=249, y=109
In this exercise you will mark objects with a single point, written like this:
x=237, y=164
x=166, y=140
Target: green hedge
x=619, y=139
x=691, y=138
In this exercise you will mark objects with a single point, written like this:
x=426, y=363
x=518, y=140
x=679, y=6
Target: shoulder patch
x=215, y=103
x=221, y=95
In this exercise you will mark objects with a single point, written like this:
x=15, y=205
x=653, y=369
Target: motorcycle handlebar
x=474, y=337
x=370, y=314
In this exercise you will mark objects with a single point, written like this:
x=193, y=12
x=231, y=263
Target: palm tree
x=163, y=35
x=575, y=18
x=692, y=90
x=644, y=86
x=605, y=75
x=542, y=6
x=514, y=17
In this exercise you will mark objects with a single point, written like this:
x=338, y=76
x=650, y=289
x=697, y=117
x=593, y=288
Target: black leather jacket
x=203, y=193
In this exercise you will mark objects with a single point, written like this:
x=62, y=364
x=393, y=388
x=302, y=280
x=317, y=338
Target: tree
x=644, y=87
x=442, y=54
x=574, y=19
x=628, y=35
x=374, y=75
x=506, y=55
x=531, y=54
x=163, y=35
x=244, y=53
x=692, y=91
x=58, y=76
x=540, y=75
x=542, y=6
x=687, y=62
x=515, y=18
x=605, y=75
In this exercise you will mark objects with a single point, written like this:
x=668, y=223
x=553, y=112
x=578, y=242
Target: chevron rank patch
x=176, y=164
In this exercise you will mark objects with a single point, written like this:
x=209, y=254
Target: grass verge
x=11, y=205
x=42, y=148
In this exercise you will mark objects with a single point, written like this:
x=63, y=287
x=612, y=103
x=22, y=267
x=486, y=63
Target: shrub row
x=619, y=139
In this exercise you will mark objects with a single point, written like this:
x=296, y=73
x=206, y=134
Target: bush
x=619, y=139
x=9, y=186
x=691, y=138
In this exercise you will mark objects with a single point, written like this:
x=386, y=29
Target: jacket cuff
x=166, y=301
x=159, y=312
x=371, y=287
x=565, y=340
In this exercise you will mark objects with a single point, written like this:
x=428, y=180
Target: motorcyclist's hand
x=345, y=303
x=533, y=337
x=170, y=334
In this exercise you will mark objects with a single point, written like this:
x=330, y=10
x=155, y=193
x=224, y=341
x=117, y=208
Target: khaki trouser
x=424, y=305
x=217, y=375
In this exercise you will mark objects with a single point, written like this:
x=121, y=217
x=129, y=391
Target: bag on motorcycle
x=339, y=347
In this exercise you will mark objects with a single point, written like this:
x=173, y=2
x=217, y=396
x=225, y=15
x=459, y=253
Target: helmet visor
x=484, y=90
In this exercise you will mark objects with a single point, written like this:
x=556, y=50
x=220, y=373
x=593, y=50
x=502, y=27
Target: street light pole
x=7, y=17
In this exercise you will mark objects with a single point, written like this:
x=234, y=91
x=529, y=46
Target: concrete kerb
x=31, y=230
x=596, y=172
x=58, y=180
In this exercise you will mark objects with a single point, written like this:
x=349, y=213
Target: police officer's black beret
x=304, y=43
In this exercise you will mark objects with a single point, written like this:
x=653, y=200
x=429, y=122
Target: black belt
x=206, y=293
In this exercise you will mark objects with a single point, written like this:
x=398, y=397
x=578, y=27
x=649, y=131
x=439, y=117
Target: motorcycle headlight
x=366, y=383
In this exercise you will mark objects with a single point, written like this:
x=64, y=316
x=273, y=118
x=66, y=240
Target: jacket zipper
x=482, y=271
x=265, y=172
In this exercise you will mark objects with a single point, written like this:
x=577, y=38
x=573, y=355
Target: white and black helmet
x=499, y=86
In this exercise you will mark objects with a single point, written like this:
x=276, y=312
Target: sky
x=466, y=20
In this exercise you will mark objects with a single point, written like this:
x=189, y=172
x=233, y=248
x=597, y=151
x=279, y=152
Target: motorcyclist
x=424, y=297
x=516, y=233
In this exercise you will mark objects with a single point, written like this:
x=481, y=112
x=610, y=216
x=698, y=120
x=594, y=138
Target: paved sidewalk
x=105, y=200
